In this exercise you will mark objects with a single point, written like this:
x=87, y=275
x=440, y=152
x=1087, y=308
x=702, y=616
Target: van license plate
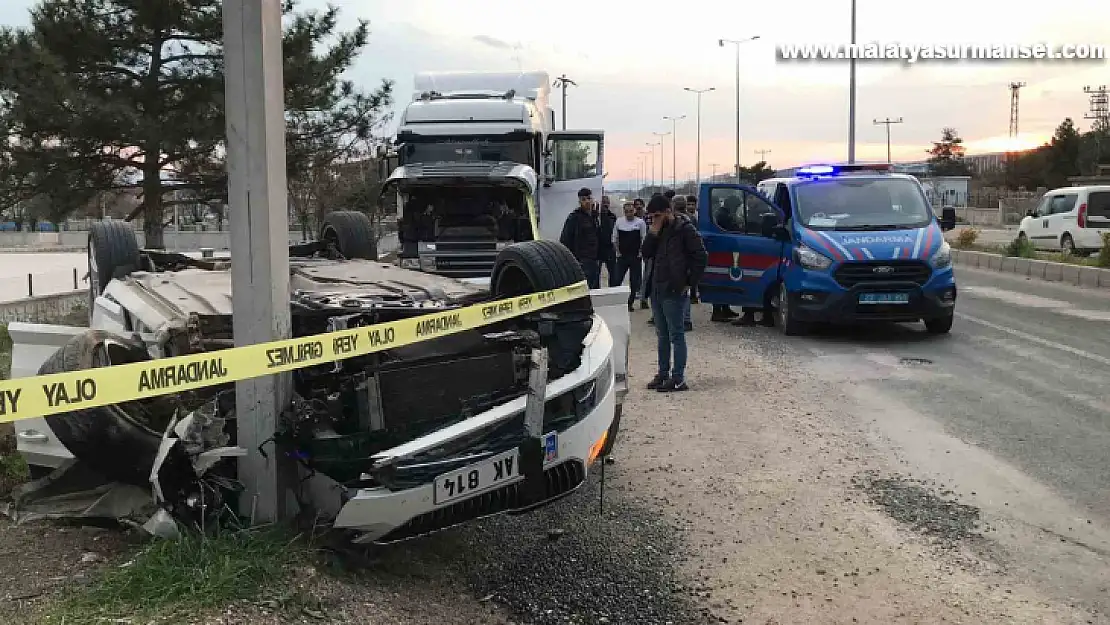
x=884, y=298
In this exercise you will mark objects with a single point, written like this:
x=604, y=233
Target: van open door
x=573, y=159
x=744, y=235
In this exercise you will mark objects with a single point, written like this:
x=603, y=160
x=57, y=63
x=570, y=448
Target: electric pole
x=713, y=171
x=1100, y=116
x=887, y=122
x=662, y=175
x=697, y=166
x=562, y=82
x=763, y=155
x=674, y=148
x=737, y=44
x=1015, y=88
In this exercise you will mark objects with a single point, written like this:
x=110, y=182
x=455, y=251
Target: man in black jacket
x=581, y=234
x=678, y=258
x=606, y=220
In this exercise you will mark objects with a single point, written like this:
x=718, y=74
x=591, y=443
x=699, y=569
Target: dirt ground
x=780, y=507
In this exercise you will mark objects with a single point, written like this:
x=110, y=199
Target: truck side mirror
x=548, y=169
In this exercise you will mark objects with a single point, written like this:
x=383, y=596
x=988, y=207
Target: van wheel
x=1068, y=245
x=785, y=317
x=118, y=441
x=351, y=234
x=113, y=253
x=939, y=325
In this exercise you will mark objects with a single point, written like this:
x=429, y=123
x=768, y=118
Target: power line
x=1015, y=87
x=887, y=122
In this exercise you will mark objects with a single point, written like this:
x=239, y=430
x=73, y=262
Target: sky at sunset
x=631, y=61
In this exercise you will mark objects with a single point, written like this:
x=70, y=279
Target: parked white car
x=393, y=445
x=1071, y=219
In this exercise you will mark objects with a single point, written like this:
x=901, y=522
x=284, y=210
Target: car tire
x=785, y=318
x=352, y=234
x=108, y=439
x=113, y=252
x=939, y=325
x=1067, y=245
x=532, y=266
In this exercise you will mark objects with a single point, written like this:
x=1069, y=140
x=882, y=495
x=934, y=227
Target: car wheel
x=785, y=318
x=113, y=253
x=1067, y=244
x=351, y=233
x=118, y=441
x=939, y=325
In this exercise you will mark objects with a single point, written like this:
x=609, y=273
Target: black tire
x=939, y=325
x=1067, y=245
x=532, y=266
x=109, y=439
x=113, y=253
x=785, y=318
x=352, y=233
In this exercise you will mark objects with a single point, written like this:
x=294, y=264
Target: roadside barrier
x=56, y=393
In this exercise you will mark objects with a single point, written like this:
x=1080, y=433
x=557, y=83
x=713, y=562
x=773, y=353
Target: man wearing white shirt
x=629, y=233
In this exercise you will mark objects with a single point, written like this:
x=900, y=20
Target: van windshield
x=861, y=204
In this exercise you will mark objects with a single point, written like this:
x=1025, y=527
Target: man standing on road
x=692, y=213
x=628, y=235
x=606, y=222
x=678, y=205
x=581, y=234
x=679, y=258
x=638, y=204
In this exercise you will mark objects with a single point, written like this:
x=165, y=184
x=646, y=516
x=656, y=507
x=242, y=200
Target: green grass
x=174, y=580
x=1013, y=249
x=5, y=352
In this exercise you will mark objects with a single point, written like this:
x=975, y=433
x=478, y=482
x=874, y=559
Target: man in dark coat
x=678, y=261
x=582, y=236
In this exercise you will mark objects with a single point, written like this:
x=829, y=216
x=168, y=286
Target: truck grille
x=561, y=479
x=854, y=273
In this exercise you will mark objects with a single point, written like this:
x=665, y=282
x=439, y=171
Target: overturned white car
x=391, y=445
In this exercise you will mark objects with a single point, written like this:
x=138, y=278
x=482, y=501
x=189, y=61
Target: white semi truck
x=480, y=166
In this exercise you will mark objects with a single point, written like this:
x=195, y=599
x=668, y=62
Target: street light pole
x=852, y=91
x=662, y=176
x=563, y=82
x=887, y=122
x=737, y=43
x=674, y=148
x=697, y=166
x=652, y=146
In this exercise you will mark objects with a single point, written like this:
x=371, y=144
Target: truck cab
x=480, y=166
x=831, y=244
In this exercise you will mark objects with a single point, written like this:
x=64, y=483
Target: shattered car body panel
x=373, y=433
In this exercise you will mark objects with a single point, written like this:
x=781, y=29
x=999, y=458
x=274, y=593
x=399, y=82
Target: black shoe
x=723, y=314
x=694, y=299
x=651, y=321
x=658, y=382
x=643, y=305
x=688, y=326
x=745, y=320
x=631, y=308
x=673, y=386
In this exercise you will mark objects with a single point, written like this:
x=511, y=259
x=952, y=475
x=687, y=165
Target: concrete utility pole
x=737, y=43
x=662, y=175
x=697, y=166
x=652, y=146
x=255, y=112
x=852, y=92
x=562, y=82
x=887, y=122
x=674, y=148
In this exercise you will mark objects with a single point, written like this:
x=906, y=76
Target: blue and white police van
x=831, y=244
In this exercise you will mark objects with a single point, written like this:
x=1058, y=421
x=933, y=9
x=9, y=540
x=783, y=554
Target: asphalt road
x=1012, y=410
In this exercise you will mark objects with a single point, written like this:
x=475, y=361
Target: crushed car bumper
x=493, y=482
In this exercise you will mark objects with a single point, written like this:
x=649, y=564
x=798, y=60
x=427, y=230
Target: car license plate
x=500, y=470
x=884, y=298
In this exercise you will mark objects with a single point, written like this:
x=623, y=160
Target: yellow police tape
x=55, y=393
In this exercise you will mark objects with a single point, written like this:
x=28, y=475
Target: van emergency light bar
x=810, y=171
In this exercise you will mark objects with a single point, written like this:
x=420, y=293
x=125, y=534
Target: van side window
x=738, y=212
x=1098, y=205
x=1063, y=203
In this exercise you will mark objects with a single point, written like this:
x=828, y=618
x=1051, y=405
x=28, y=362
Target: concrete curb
x=1078, y=275
x=43, y=308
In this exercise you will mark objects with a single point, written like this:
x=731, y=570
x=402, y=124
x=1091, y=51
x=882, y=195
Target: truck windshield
x=861, y=204
x=469, y=150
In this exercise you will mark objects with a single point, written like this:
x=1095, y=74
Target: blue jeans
x=668, y=311
x=592, y=269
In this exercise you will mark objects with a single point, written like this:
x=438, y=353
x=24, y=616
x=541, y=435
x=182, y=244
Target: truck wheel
x=785, y=318
x=119, y=441
x=113, y=253
x=532, y=266
x=939, y=325
x=351, y=233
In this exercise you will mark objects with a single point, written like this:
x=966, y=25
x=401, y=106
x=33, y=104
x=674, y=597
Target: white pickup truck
x=390, y=446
